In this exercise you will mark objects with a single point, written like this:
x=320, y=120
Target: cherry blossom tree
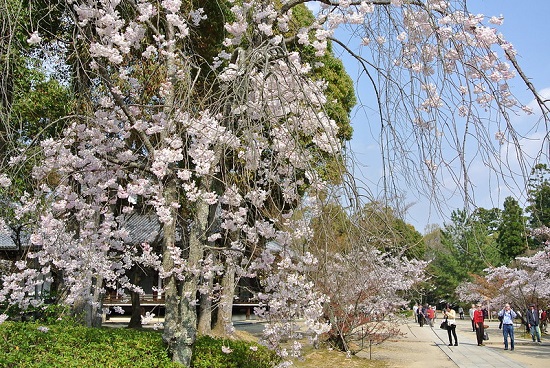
x=523, y=283
x=364, y=271
x=224, y=149
x=366, y=288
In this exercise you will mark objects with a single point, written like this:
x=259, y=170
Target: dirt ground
x=413, y=350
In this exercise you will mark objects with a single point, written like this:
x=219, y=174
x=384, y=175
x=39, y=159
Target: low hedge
x=217, y=353
x=31, y=344
x=67, y=344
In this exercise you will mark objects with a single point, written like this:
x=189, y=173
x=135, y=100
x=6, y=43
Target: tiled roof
x=142, y=228
x=6, y=242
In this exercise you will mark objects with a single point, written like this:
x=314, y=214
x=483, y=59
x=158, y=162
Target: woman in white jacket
x=450, y=314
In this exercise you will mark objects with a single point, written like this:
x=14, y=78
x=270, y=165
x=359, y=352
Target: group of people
x=506, y=317
x=534, y=321
x=424, y=314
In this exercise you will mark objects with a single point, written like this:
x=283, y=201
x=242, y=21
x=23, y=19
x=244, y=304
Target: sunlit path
x=426, y=346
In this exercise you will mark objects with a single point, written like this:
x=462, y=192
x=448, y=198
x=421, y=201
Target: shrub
x=67, y=344
x=208, y=353
x=64, y=344
x=46, y=313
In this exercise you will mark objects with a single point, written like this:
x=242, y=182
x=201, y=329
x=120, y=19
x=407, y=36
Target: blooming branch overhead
x=215, y=121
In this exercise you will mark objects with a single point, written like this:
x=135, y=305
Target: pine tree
x=511, y=239
x=539, y=196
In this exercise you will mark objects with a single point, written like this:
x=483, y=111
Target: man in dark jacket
x=421, y=315
x=532, y=317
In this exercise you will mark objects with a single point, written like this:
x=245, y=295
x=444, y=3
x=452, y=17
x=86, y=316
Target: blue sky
x=526, y=27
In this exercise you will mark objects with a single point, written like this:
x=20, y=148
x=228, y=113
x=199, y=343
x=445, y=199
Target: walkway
x=467, y=354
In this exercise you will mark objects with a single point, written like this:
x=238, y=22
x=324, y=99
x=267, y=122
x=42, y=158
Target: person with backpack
x=506, y=316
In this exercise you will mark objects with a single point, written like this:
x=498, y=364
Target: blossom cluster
x=221, y=152
x=520, y=285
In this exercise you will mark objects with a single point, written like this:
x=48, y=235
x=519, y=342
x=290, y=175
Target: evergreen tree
x=467, y=246
x=539, y=196
x=511, y=239
x=389, y=233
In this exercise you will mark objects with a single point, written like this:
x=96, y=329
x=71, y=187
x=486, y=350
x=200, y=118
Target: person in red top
x=430, y=315
x=478, y=320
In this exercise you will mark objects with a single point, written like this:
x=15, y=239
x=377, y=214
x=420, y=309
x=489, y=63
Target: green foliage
x=65, y=344
x=490, y=219
x=538, y=196
x=340, y=90
x=32, y=103
x=336, y=231
x=30, y=100
x=209, y=35
x=467, y=246
x=511, y=239
x=332, y=231
x=446, y=274
x=207, y=353
x=409, y=240
x=38, y=103
x=389, y=233
x=47, y=314
x=52, y=342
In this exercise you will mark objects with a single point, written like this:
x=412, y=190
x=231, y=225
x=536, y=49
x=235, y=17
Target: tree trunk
x=175, y=333
x=135, y=319
x=88, y=308
x=224, y=325
x=97, y=303
x=205, y=312
x=180, y=328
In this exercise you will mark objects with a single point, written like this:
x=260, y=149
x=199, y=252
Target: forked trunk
x=180, y=327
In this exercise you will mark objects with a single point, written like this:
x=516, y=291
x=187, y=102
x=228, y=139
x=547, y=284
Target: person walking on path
x=421, y=314
x=471, y=312
x=430, y=316
x=533, y=320
x=461, y=312
x=415, y=311
x=544, y=315
x=450, y=314
x=508, y=316
x=478, y=320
